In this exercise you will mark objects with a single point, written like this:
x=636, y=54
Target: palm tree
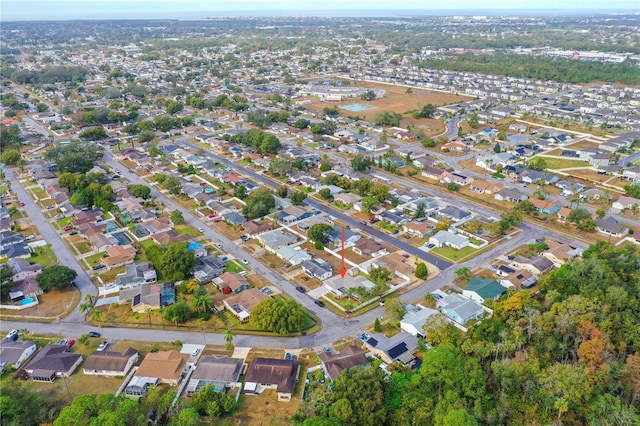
x=97, y=315
x=228, y=338
x=463, y=272
x=201, y=303
x=87, y=305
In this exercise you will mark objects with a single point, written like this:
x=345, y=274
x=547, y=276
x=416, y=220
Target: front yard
x=454, y=255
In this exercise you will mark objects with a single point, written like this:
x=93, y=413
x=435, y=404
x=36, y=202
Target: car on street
x=245, y=261
x=319, y=303
x=382, y=303
x=287, y=356
x=201, y=230
x=301, y=289
x=94, y=334
x=21, y=203
x=219, y=245
x=13, y=335
x=103, y=346
x=195, y=352
x=430, y=246
x=130, y=171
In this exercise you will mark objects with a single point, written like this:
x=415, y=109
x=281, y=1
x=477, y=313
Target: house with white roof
x=413, y=321
x=449, y=239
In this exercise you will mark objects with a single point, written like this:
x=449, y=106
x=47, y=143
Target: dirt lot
x=397, y=100
x=53, y=303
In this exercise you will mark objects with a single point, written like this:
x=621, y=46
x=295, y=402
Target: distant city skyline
x=13, y=10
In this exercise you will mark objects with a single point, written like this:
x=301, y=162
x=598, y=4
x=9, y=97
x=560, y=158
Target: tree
x=259, y=203
x=6, y=281
x=240, y=191
x=459, y=417
x=380, y=275
x=282, y=191
x=325, y=193
x=56, y=276
x=360, y=163
x=395, y=308
x=201, y=302
x=142, y=191
x=187, y=417
x=177, y=262
x=177, y=313
x=301, y=123
x=537, y=164
x=421, y=211
x=462, y=273
x=297, y=197
x=473, y=120
x=452, y=186
x=177, y=218
x=280, y=166
x=10, y=135
x=21, y=405
x=210, y=403
x=421, y=271
x=75, y=157
x=428, y=142
x=369, y=204
x=319, y=232
x=228, y=339
x=93, y=134
x=281, y=316
x=325, y=167
x=379, y=192
x=497, y=149
x=173, y=185
x=10, y=157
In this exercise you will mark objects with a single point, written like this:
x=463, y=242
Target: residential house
x=147, y=296
x=167, y=367
x=537, y=265
x=88, y=230
x=563, y=214
x=161, y=224
x=415, y=318
x=418, y=229
x=569, y=187
x=457, y=178
x=396, y=263
x=22, y=269
x=170, y=237
x=255, y=228
x=546, y=206
x=350, y=236
x=231, y=283
x=624, y=202
x=293, y=255
x=481, y=289
x=368, y=247
x=101, y=242
x=559, y=253
x=340, y=287
x=335, y=363
x=119, y=256
x=273, y=240
x=449, y=239
x=51, y=362
x=347, y=198
x=391, y=218
x=234, y=218
x=460, y=309
x=519, y=279
x=293, y=214
x=511, y=194
x=222, y=373
x=400, y=347
x=434, y=173
x=241, y=304
x=208, y=268
x=15, y=353
x=221, y=209
x=317, y=268
x=137, y=274
x=610, y=226
x=109, y=363
x=481, y=186
x=268, y=373
x=454, y=213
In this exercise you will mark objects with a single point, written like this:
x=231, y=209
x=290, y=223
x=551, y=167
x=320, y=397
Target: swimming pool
x=27, y=301
x=356, y=107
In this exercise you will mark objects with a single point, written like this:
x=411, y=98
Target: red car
x=68, y=228
x=70, y=343
x=21, y=203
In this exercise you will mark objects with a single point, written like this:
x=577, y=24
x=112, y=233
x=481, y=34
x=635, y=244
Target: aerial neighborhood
x=284, y=218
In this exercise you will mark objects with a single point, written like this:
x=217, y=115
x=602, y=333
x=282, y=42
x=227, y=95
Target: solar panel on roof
x=373, y=342
x=397, y=350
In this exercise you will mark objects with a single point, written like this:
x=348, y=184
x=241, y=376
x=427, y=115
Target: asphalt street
x=59, y=248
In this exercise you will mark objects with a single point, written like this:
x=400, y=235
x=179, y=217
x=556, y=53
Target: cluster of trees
x=259, y=203
x=279, y=315
x=172, y=184
x=56, y=276
x=426, y=111
x=262, y=142
x=360, y=163
x=369, y=95
x=102, y=115
x=76, y=157
x=10, y=157
x=632, y=190
x=174, y=262
x=93, y=134
x=89, y=189
x=233, y=103
x=21, y=406
x=162, y=123
x=142, y=191
x=582, y=219
x=49, y=75
x=10, y=136
x=6, y=281
x=568, y=354
x=264, y=119
x=327, y=127
x=558, y=69
x=386, y=118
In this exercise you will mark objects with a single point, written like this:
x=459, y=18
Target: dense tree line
x=559, y=70
x=259, y=141
x=568, y=354
x=76, y=157
x=49, y=75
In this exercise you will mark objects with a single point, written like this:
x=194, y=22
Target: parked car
x=67, y=228
x=94, y=334
x=245, y=261
x=70, y=343
x=195, y=352
x=98, y=266
x=287, y=356
x=301, y=289
x=13, y=335
x=73, y=233
x=58, y=217
x=21, y=203
x=201, y=230
x=63, y=342
x=319, y=303
x=30, y=237
x=103, y=345
x=219, y=245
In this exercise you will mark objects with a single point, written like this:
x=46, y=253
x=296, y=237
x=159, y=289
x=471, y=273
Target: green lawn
x=186, y=229
x=59, y=224
x=44, y=256
x=561, y=163
x=39, y=193
x=94, y=259
x=452, y=254
x=387, y=226
x=498, y=176
x=82, y=247
x=234, y=266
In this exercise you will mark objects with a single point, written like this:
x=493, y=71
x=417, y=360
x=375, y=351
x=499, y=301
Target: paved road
x=441, y=264
x=62, y=252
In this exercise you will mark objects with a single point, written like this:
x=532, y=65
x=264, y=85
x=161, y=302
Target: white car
x=245, y=261
x=195, y=352
x=201, y=230
x=13, y=334
x=103, y=346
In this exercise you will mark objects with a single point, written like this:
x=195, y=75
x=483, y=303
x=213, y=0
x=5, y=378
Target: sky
x=12, y=10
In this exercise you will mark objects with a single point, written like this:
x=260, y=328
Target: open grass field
x=451, y=254
x=562, y=163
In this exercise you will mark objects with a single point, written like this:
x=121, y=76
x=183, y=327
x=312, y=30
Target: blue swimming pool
x=27, y=301
x=356, y=107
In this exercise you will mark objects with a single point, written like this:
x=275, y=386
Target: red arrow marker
x=343, y=271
